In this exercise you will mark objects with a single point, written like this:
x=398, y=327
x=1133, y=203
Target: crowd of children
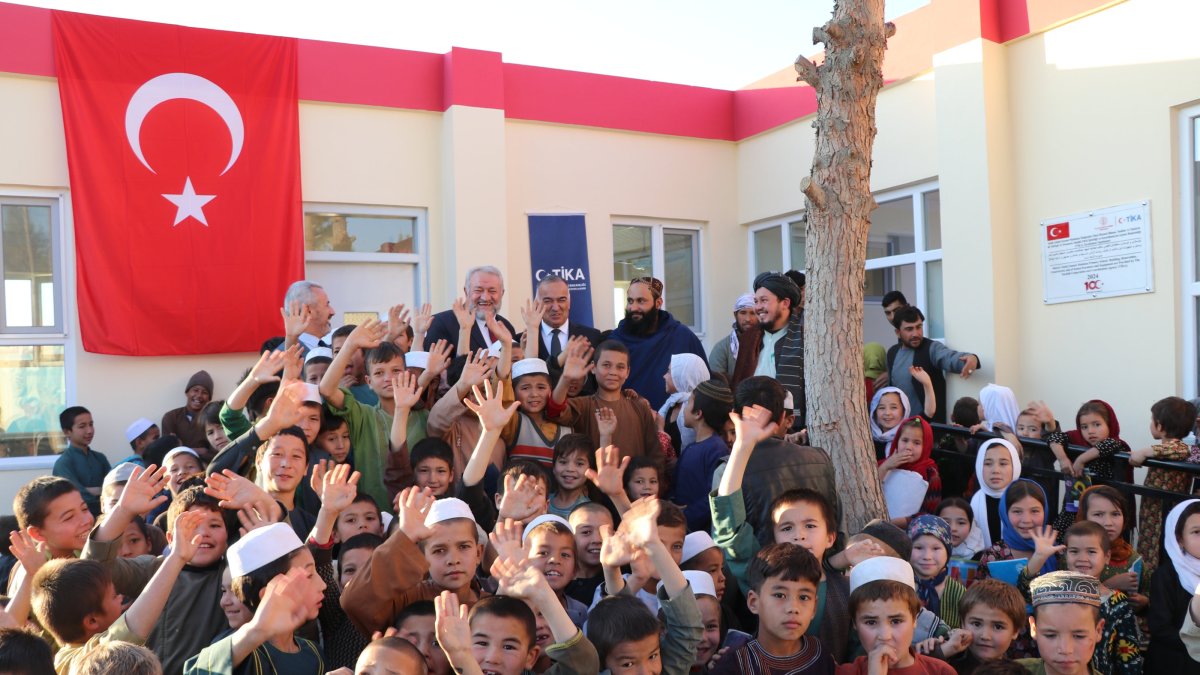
x=375, y=508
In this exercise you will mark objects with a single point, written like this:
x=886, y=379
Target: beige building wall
x=609, y=175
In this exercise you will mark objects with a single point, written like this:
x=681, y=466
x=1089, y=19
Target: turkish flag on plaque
x=184, y=157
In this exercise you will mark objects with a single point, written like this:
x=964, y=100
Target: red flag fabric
x=184, y=158
x=1058, y=231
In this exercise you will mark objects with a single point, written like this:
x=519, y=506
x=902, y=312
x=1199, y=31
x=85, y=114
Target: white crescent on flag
x=1055, y=231
x=182, y=86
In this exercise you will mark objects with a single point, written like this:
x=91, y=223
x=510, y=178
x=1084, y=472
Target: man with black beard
x=777, y=351
x=652, y=336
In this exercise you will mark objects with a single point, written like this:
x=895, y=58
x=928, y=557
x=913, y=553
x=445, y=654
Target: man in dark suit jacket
x=484, y=290
x=554, y=296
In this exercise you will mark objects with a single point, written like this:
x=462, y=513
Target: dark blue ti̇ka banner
x=558, y=245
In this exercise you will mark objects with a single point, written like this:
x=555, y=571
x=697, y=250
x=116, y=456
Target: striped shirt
x=812, y=659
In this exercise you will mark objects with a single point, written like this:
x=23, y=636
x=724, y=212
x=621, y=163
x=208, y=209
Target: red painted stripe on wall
x=340, y=73
x=474, y=78
x=1003, y=20
x=568, y=97
x=26, y=46
x=757, y=110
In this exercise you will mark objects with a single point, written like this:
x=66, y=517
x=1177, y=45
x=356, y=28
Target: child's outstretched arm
x=918, y=373
x=30, y=556
x=367, y=335
x=142, y=494
x=454, y=634
x=731, y=532
x=267, y=369
x=489, y=407
x=144, y=612
x=576, y=367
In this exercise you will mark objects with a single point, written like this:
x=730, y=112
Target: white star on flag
x=190, y=204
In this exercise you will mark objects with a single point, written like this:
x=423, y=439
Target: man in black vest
x=914, y=349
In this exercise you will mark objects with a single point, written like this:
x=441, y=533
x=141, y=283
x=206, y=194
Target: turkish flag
x=1058, y=231
x=184, y=158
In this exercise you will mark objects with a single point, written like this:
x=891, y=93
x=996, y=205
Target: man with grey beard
x=484, y=290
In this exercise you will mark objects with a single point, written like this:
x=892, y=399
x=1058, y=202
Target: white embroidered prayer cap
x=448, y=509
x=260, y=547
x=701, y=583
x=880, y=568
x=696, y=543
x=529, y=367
x=545, y=518
x=139, y=427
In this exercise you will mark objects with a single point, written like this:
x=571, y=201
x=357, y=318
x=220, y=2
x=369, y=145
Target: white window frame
x=420, y=217
x=919, y=258
x=1189, y=279
x=64, y=279
x=658, y=258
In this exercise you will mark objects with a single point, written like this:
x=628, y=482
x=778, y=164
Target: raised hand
x=531, y=315
x=616, y=548
x=918, y=374
x=474, y=371
x=340, y=488
x=439, y=357
x=293, y=363
x=316, y=479
x=640, y=522
x=523, y=498
x=286, y=407
x=862, y=550
x=498, y=330
x=143, y=492
x=753, y=425
x=253, y=517
x=462, y=312
x=184, y=539
x=609, y=473
x=397, y=323
x=1044, y=546
x=579, y=342
x=454, y=631
x=295, y=319
x=506, y=539
x=518, y=578
x=282, y=608
x=405, y=391
x=489, y=407
x=232, y=490
x=30, y=552
x=606, y=423
x=267, y=368
x=1041, y=412
x=579, y=360
x=412, y=506
x=366, y=335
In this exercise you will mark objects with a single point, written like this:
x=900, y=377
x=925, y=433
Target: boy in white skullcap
x=438, y=539
x=140, y=433
x=274, y=575
x=549, y=543
x=316, y=362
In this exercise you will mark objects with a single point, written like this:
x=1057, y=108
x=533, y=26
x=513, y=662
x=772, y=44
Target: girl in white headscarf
x=889, y=407
x=1171, y=589
x=997, y=465
x=686, y=373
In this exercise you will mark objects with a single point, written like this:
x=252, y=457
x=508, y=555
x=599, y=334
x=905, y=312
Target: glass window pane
x=935, y=326
x=1196, y=189
x=799, y=254
x=891, y=229
x=680, y=292
x=33, y=378
x=768, y=255
x=358, y=233
x=28, y=264
x=901, y=278
x=932, y=204
x=632, y=258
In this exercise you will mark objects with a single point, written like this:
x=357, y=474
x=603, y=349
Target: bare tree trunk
x=838, y=208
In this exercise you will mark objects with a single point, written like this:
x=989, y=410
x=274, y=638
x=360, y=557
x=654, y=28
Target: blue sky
x=713, y=43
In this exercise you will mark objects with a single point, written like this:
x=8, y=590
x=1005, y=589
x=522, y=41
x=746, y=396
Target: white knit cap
x=121, y=472
x=528, y=367
x=882, y=568
x=416, y=360
x=312, y=393
x=701, y=583
x=696, y=543
x=318, y=353
x=545, y=518
x=448, y=509
x=180, y=451
x=260, y=547
x=139, y=427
